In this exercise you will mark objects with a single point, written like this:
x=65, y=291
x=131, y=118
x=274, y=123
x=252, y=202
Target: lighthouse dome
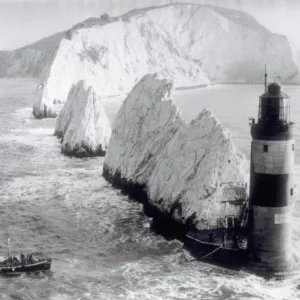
x=274, y=88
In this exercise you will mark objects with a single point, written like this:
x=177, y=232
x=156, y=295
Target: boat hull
x=217, y=252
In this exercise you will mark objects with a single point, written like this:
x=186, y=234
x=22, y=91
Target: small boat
x=17, y=265
x=33, y=262
x=225, y=246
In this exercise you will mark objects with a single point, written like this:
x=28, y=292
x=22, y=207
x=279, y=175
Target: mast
x=8, y=244
x=266, y=78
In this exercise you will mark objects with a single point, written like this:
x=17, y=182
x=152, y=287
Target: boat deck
x=217, y=245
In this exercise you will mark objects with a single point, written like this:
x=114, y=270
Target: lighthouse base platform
x=290, y=270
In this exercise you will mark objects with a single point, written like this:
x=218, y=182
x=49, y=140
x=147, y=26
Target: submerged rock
x=82, y=124
x=189, y=174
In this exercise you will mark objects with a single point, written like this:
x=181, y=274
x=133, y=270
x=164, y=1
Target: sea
x=99, y=240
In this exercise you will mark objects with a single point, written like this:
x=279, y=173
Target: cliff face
x=83, y=124
x=192, y=172
x=188, y=43
x=30, y=61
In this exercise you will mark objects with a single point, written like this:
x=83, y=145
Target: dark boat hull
x=217, y=252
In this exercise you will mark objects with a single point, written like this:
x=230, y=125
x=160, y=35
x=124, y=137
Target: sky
x=25, y=21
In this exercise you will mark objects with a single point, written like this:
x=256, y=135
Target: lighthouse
x=271, y=183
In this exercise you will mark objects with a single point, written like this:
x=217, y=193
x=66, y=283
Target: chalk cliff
x=192, y=172
x=82, y=124
x=30, y=61
x=190, y=44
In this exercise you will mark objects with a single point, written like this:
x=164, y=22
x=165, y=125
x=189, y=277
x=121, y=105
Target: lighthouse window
x=266, y=148
x=292, y=191
x=293, y=147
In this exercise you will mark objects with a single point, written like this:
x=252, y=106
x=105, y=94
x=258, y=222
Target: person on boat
x=211, y=237
x=34, y=259
x=224, y=234
x=15, y=260
x=29, y=258
x=23, y=259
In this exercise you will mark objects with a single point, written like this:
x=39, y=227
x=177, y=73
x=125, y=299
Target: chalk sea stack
x=41, y=107
x=188, y=175
x=82, y=124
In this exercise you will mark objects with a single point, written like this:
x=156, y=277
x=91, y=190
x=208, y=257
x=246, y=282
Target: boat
x=225, y=246
x=33, y=262
x=17, y=265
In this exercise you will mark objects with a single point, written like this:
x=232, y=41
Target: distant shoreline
x=191, y=87
x=176, y=88
x=202, y=86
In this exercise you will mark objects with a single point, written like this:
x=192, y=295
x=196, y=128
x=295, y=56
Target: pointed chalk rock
x=42, y=107
x=83, y=124
x=191, y=171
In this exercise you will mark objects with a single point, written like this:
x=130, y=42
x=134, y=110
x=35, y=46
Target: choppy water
x=99, y=239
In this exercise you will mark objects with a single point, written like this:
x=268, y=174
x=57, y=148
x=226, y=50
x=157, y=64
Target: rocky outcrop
x=188, y=174
x=82, y=124
x=42, y=109
x=189, y=44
